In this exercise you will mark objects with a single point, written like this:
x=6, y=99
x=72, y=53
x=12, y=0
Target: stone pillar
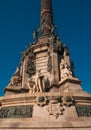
x=55, y=72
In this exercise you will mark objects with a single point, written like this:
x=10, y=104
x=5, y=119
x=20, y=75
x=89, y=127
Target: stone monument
x=44, y=93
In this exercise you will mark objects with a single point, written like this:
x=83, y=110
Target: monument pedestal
x=70, y=84
x=54, y=110
x=43, y=93
x=24, y=124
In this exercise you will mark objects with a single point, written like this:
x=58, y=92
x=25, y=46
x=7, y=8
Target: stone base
x=50, y=111
x=45, y=125
x=70, y=85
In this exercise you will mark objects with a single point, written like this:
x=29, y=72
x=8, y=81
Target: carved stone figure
x=65, y=71
x=58, y=44
x=35, y=35
x=31, y=85
x=65, y=65
x=36, y=83
x=66, y=56
x=47, y=84
x=31, y=70
x=16, y=78
x=39, y=81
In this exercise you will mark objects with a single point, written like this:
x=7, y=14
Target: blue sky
x=73, y=21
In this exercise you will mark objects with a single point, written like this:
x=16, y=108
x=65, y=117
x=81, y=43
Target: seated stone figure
x=66, y=69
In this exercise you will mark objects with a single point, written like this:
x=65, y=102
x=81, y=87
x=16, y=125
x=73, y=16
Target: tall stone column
x=46, y=17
